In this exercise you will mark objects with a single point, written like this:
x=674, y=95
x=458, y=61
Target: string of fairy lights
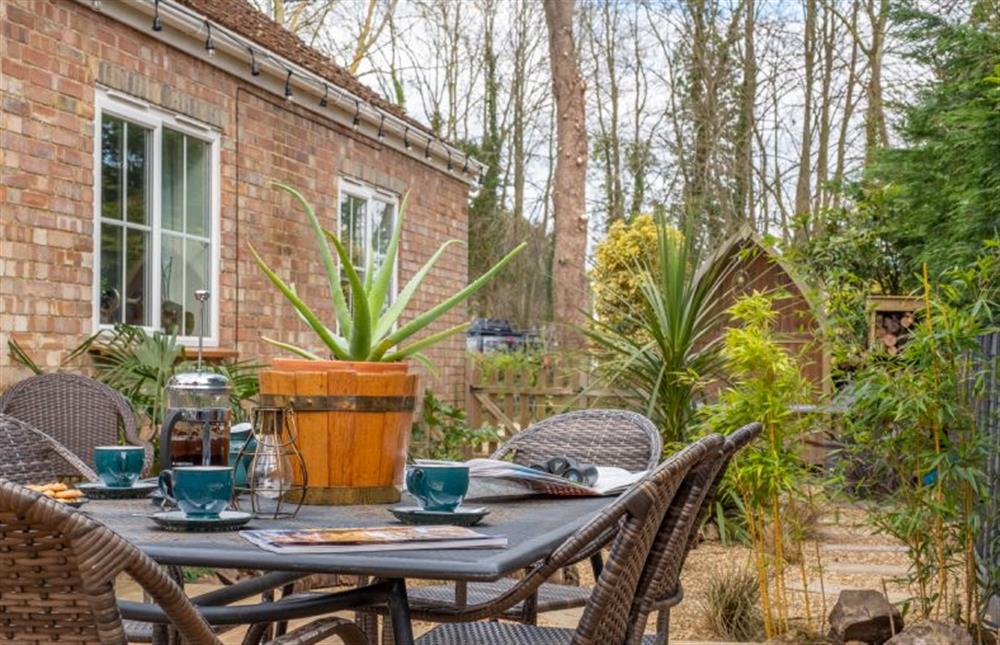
x=330, y=94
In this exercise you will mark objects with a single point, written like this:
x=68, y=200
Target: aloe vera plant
x=366, y=327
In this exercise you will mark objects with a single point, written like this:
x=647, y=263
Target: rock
x=864, y=615
x=932, y=632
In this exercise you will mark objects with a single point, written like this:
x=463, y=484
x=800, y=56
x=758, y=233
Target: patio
x=500, y=321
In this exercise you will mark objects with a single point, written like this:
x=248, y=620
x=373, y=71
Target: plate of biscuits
x=61, y=493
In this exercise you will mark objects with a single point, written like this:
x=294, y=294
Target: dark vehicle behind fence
x=486, y=335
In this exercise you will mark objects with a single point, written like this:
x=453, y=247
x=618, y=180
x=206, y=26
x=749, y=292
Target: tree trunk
x=802, y=185
x=570, y=290
x=745, y=125
x=876, y=133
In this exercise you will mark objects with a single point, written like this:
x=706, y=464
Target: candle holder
x=276, y=478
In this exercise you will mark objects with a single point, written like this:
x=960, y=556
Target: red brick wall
x=54, y=54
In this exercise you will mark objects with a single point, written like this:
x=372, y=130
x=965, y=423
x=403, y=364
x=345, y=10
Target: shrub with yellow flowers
x=627, y=251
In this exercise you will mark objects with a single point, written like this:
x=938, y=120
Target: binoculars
x=570, y=469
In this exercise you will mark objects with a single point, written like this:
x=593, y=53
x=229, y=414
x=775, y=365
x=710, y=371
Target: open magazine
x=610, y=480
x=381, y=538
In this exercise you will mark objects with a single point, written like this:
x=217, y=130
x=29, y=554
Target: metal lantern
x=276, y=478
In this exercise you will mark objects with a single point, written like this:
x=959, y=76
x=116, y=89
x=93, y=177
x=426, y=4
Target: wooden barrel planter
x=354, y=422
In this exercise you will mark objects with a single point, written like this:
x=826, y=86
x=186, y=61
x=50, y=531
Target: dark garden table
x=534, y=527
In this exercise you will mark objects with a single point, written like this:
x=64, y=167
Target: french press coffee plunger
x=195, y=430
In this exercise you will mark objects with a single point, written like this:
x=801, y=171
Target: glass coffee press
x=195, y=429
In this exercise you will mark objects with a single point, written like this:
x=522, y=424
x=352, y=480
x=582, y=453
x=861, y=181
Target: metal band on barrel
x=330, y=403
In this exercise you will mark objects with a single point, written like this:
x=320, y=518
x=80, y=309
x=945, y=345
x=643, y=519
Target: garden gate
x=510, y=399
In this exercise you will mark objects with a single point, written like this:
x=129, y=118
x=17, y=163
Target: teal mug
x=119, y=466
x=199, y=491
x=438, y=487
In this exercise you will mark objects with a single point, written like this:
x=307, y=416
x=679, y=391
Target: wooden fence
x=512, y=399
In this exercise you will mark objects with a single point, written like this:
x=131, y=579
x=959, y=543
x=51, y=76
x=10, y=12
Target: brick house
x=137, y=138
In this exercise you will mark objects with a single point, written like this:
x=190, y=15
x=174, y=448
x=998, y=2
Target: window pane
x=197, y=266
x=197, y=187
x=173, y=181
x=136, y=278
x=172, y=293
x=135, y=172
x=112, y=130
x=352, y=229
x=111, y=274
x=382, y=223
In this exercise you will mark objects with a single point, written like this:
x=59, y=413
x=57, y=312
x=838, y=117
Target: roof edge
x=185, y=29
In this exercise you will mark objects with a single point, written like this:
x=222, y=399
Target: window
x=367, y=218
x=157, y=234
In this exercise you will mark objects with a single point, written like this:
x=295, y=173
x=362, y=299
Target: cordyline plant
x=663, y=347
x=366, y=331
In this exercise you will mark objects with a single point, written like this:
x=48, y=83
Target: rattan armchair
x=603, y=437
x=77, y=411
x=59, y=568
x=635, y=518
x=29, y=456
x=660, y=587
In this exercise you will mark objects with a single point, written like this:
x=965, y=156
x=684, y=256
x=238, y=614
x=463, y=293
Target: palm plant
x=367, y=326
x=671, y=347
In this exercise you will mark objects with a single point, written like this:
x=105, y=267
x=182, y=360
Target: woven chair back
x=678, y=532
x=29, y=456
x=58, y=568
x=78, y=412
x=605, y=619
x=601, y=437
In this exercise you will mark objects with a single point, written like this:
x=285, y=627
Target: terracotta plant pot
x=354, y=422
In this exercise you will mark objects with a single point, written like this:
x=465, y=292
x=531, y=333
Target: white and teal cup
x=119, y=466
x=199, y=491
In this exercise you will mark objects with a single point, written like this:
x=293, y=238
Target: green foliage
x=915, y=416
x=764, y=382
x=673, y=355
x=618, y=263
x=765, y=477
x=731, y=605
x=368, y=328
x=443, y=432
x=936, y=198
x=138, y=364
x=942, y=189
x=528, y=363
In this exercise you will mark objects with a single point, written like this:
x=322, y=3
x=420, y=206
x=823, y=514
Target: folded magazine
x=610, y=480
x=381, y=538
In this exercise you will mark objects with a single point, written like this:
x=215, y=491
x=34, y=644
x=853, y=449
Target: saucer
x=178, y=521
x=461, y=516
x=97, y=490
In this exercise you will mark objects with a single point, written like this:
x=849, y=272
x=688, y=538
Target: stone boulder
x=932, y=632
x=864, y=615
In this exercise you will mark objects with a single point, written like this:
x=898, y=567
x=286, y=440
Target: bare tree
x=571, y=293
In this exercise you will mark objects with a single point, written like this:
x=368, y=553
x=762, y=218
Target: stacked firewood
x=892, y=328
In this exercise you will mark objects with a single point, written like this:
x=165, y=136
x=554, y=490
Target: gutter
x=188, y=30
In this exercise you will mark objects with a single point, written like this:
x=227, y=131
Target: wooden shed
x=758, y=267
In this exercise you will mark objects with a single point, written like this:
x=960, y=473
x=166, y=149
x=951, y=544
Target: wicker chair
x=77, y=411
x=602, y=437
x=59, y=568
x=660, y=587
x=635, y=518
x=29, y=456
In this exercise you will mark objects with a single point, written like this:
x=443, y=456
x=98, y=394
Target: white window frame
x=155, y=118
x=367, y=192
